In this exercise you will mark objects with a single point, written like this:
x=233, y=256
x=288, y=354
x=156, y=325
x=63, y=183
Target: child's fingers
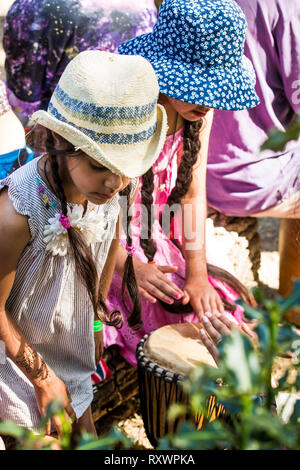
x=205, y=304
x=161, y=287
x=160, y=294
x=70, y=412
x=147, y=296
x=164, y=283
x=167, y=269
x=57, y=424
x=186, y=298
x=245, y=328
x=48, y=428
x=219, y=305
x=198, y=309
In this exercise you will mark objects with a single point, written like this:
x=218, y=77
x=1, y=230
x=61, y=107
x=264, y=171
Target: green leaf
x=293, y=300
x=109, y=442
x=11, y=429
x=250, y=312
x=241, y=361
x=214, y=435
x=277, y=139
x=176, y=410
x=263, y=334
x=295, y=416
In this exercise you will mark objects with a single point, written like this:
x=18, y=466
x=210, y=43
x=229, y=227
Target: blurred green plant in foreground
x=29, y=440
x=243, y=384
x=277, y=140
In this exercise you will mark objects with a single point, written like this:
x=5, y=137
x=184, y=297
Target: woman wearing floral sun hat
x=197, y=51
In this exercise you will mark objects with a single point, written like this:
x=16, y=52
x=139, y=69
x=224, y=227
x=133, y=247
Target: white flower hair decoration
x=91, y=225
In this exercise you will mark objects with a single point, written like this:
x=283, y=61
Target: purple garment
x=240, y=180
x=42, y=36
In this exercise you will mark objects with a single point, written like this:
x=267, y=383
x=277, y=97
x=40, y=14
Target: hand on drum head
x=218, y=325
x=153, y=284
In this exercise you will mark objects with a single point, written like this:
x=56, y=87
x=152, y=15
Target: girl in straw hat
x=102, y=130
x=196, y=50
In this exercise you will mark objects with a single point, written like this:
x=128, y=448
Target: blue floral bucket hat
x=197, y=51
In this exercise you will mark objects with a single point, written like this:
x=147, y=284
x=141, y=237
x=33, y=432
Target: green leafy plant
x=29, y=440
x=243, y=384
x=277, y=140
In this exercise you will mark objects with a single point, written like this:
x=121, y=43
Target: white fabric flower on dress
x=91, y=225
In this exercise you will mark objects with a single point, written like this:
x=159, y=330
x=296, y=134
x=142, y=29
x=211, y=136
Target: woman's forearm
x=193, y=237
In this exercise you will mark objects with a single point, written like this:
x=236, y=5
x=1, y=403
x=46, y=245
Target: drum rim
x=144, y=362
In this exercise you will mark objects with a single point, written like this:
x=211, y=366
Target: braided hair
x=129, y=280
x=42, y=140
x=191, y=148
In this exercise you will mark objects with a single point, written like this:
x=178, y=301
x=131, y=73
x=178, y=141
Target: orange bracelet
x=151, y=262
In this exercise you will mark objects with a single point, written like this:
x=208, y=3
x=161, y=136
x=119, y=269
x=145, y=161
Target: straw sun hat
x=197, y=51
x=106, y=105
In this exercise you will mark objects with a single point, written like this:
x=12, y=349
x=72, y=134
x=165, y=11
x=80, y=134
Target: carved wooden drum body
x=164, y=358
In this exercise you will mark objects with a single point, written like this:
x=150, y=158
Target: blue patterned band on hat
x=92, y=112
x=101, y=138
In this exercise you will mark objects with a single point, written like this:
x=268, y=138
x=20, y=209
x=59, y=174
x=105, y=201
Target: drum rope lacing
x=145, y=362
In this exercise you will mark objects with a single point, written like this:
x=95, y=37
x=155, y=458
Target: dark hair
x=129, y=280
x=191, y=147
x=42, y=140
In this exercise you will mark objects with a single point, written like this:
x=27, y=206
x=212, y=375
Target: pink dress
x=154, y=315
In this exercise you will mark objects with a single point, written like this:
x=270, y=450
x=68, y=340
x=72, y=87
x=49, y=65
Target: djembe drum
x=164, y=358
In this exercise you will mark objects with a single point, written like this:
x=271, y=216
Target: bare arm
x=14, y=236
x=110, y=264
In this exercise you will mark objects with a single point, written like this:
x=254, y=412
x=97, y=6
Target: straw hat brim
x=131, y=161
x=233, y=87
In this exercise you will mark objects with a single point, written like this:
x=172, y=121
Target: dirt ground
x=268, y=274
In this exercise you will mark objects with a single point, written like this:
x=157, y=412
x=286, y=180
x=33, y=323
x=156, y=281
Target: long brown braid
x=147, y=243
x=129, y=280
x=84, y=262
x=191, y=147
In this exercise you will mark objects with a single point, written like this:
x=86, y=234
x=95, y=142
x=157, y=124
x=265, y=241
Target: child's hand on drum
x=153, y=284
x=218, y=325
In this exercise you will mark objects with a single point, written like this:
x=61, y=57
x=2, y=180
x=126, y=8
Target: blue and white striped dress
x=50, y=304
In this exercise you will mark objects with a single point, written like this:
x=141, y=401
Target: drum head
x=178, y=348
